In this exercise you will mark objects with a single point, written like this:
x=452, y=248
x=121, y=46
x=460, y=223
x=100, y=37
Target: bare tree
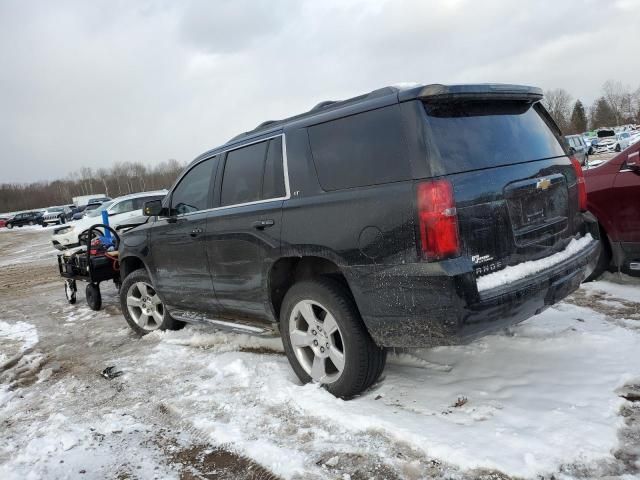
x=618, y=97
x=121, y=178
x=558, y=103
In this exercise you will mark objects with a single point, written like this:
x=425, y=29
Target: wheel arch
x=130, y=264
x=286, y=271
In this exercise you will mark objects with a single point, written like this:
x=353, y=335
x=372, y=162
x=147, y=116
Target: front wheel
x=618, y=148
x=142, y=307
x=325, y=340
x=70, y=290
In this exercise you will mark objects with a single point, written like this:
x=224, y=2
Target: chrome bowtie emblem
x=543, y=184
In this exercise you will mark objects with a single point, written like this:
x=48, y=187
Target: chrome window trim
x=285, y=168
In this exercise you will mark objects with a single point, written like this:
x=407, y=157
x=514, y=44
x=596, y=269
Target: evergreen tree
x=603, y=115
x=578, y=118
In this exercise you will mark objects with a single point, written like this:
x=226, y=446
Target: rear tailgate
x=515, y=188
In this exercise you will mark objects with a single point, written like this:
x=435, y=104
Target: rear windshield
x=473, y=135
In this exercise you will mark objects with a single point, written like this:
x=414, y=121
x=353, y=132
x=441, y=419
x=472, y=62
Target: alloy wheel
x=317, y=341
x=144, y=306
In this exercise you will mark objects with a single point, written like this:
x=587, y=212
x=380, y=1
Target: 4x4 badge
x=543, y=184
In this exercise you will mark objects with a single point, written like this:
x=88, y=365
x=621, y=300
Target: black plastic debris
x=110, y=372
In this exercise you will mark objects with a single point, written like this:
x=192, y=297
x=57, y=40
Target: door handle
x=262, y=224
x=195, y=232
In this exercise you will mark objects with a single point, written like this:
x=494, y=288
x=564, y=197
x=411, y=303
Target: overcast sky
x=90, y=83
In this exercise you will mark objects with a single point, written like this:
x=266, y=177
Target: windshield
x=57, y=209
x=98, y=211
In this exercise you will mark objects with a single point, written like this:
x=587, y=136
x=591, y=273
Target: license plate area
x=538, y=208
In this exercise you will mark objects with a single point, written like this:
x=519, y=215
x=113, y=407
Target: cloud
x=93, y=83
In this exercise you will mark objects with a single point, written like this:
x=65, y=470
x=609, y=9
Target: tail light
x=582, y=188
x=437, y=220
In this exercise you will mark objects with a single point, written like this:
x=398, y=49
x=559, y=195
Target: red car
x=3, y=222
x=613, y=196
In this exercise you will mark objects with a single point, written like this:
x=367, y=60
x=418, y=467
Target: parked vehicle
x=83, y=200
x=613, y=196
x=3, y=221
x=610, y=141
x=120, y=211
x=56, y=215
x=25, y=218
x=591, y=143
x=578, y=148
x=82, y=211
x=401, y=218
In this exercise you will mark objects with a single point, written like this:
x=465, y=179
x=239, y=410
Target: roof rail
x=320, y=106
x=326, y=103
x=264, y=124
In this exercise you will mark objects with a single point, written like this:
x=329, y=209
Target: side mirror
x=152, y=208
x=633, y=162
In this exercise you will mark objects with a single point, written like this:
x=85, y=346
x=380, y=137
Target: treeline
x=121, y=179
x=617, y=105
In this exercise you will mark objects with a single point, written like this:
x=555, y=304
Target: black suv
x=400, y=218
x=25, y=218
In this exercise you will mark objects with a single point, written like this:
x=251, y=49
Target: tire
x=604, y=259
x=31, y=223
x=138, y=302
x=618, y=148
x=9, y=225
x=62, y=221
x=94, y=298
x=362, y=360
x=70, y=291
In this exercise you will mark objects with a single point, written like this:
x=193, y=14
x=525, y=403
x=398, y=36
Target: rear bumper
x=426, y=305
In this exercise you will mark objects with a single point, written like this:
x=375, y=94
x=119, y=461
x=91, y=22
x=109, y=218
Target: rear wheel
x=325, y=340
x=94, y=297
x=9, y=226
x=142, y=307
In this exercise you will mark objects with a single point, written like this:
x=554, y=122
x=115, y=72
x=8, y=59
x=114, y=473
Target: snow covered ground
x=552, y=397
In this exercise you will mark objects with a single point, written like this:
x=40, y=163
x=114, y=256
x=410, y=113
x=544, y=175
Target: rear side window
x=364, y=149
x=242, y=181
x=253, y=173
x=473, y=135
x=122, y=207
x=192, y=193
x=273, y=183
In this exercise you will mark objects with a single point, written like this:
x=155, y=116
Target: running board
x=227, y=325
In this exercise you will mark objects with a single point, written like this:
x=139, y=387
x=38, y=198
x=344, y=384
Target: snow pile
x=524, y=269
x=218, y=341
x=523, y=404
x=16, y=338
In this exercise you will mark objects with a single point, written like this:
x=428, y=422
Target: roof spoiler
x=482, y=91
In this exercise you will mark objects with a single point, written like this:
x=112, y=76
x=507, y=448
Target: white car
x=615, y=142
x=120, y=210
